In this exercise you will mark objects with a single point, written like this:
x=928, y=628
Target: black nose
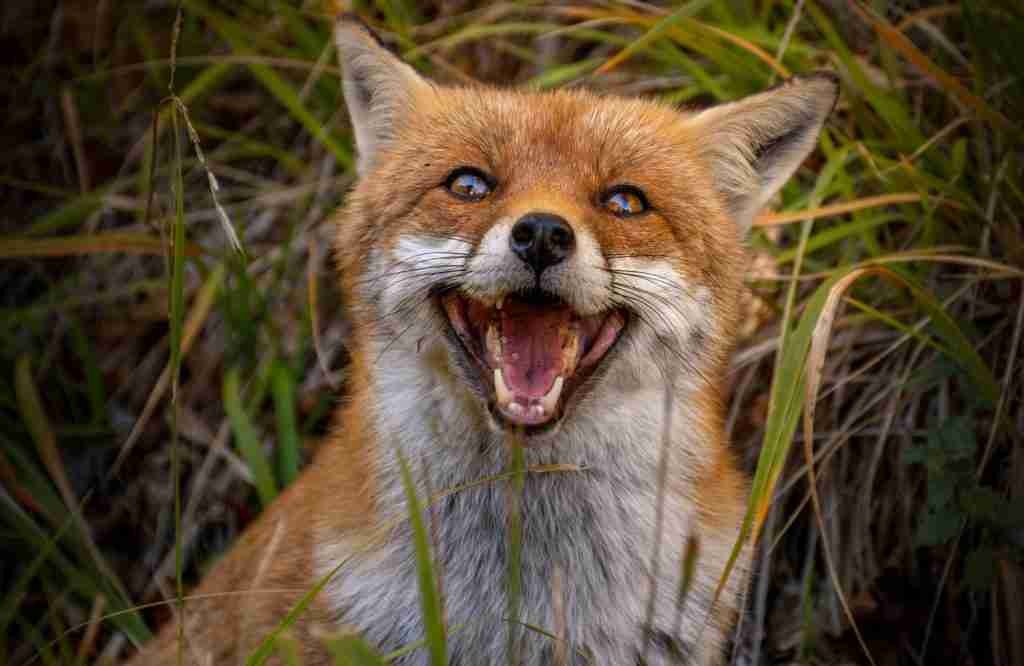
x=542, y=240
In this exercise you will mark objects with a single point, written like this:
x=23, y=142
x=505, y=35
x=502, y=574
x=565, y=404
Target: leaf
x=914, y=454
x=980, y=569
x=984, y=504
x=954, y=439
x=937, y=528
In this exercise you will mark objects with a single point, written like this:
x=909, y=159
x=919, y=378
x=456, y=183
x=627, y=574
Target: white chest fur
x=587, y=540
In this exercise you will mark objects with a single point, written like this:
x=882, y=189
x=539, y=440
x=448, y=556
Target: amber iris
x=625, y=201
x=468, y=184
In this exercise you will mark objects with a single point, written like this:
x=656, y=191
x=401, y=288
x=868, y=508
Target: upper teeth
x=570, y=352
x=501, y=390
x=493, y=341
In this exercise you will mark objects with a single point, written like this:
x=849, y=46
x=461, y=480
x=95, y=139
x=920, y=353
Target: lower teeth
x=544, y=407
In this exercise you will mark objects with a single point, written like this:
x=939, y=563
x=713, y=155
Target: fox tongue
x=532, y=340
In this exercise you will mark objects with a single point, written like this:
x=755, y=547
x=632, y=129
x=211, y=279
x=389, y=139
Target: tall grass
x=884, y=316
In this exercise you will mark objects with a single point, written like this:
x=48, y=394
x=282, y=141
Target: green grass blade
x=832, y=235
x=247, y=439
x=16, y=592
x=289, y=444
x=265, y=649
x=430, y=601
x=281, y=90
x=93, y=378
x=353, y=651
x=70, y=214
x=654, y=32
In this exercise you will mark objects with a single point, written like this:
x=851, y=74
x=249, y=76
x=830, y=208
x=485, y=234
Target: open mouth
x=532, y=349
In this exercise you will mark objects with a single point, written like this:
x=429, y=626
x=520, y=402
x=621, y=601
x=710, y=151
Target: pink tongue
x=532, y=338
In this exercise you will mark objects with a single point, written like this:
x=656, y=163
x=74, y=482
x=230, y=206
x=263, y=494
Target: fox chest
x=584, y=576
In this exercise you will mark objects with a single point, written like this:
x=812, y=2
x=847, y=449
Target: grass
x=145, y=353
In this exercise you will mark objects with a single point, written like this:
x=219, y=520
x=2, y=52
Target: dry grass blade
x=74, y=126
x=833, y=210
x=31, y=407
x=32, y=411
x=815, y=363
x=747, y=45
x=901, y=43
x=86, y=647
x=655, y=30
x=196, y=318
x=128, y=243
x=625, y=15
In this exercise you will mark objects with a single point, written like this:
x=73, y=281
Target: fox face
x=539, y=253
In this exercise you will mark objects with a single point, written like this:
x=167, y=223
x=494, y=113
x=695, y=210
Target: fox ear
x=378, y=87
x=755, y=144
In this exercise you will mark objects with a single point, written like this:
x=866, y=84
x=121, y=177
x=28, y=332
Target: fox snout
x=542, y=240
x=542, y=252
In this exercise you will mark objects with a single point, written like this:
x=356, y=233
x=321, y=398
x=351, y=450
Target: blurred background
x=173, y=341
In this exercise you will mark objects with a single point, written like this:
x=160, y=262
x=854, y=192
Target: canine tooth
x=494, y=342
x=550, y=401
x=501, y=390
x=570, y=353
x=537, y=410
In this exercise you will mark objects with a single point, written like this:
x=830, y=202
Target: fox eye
x=468, y=184
x=624, y=201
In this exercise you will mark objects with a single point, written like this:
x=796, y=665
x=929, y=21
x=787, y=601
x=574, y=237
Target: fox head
x=537, y=258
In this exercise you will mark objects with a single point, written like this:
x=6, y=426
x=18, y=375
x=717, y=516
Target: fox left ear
x=379, y=88
x=755, y=144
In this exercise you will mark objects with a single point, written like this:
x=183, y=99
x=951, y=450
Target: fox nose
x=542, y=240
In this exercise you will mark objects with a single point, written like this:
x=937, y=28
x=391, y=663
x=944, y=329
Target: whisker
x=412, y=323
x=653, y=278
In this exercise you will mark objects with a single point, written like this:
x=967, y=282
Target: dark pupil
x=471, y=186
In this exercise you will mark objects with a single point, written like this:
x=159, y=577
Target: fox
x=551, y=277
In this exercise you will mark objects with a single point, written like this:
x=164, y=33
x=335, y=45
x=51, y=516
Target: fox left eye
x=468, y=184
x=624, y=201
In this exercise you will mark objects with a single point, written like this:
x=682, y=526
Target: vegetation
x=173, y=343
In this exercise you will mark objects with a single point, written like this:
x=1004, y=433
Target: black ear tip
x=351, y=19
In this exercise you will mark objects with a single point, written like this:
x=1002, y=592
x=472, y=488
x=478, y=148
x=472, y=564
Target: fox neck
x=593, y=529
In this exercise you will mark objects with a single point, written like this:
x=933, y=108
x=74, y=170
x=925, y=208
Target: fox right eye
x=468, y=184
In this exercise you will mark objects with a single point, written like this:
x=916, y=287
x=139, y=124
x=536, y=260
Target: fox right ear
x=755, y=144
x=378, y=87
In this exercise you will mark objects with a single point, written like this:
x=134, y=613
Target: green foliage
x=956, y=499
